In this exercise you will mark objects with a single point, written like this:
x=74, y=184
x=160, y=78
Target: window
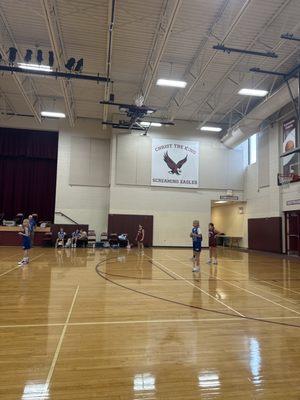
x=252, y=149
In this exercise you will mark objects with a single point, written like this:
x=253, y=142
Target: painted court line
x=268, y=283
x=19, y=267
x=32, y=325
x=146, y=321
x=226, y=281
x=198, y=288
x=249, y=291
x=57, y=351
x=10, y=270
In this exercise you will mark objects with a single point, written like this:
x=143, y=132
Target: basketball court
x=149, y=199
x=117, y=324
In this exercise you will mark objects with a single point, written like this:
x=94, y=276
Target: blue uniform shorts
x=197, y=247
x=26, y=243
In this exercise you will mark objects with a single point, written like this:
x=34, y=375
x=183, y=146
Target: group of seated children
x=78, y=238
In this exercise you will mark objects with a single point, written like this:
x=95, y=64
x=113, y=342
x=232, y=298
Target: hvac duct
x=249, y=125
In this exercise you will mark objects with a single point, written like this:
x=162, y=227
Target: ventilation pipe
x=249, y=125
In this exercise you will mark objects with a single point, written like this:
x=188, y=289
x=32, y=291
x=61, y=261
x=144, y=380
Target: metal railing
x=64, y=215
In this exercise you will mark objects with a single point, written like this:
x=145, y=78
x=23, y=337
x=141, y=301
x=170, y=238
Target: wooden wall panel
x=265, y=234
x=123, y=223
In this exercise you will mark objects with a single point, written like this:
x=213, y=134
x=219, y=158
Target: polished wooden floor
x=114, y=324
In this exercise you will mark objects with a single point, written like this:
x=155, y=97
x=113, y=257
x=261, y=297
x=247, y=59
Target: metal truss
x=25, y=84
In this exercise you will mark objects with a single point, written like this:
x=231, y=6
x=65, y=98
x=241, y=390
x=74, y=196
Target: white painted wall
x=173, y=209
x=84, y=204
x=263, y=202
x=227, y=219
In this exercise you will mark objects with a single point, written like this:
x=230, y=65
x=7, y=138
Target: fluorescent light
x=211, y=128
x=35, y=67
x=147, y=123
x=170, y=82
x=52, y=114
x=253, y=92
x=220, y=202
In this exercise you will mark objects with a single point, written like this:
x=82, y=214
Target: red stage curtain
x=28, y=164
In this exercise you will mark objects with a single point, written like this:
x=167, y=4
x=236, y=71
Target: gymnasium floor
x=85, y=324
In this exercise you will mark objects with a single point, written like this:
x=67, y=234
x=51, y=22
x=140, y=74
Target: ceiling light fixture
x=39, y=57
x=35, y=67
x=51, y=58
x=28, y=56
x=12, y=55
x=221, y=202
x=70, y=64
x=148, y=123
x=79, y=66
x=253, y=92
x=211, y=128
x=171, y=83
x=52, y=114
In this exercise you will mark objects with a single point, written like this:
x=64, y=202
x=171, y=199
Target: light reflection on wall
x=38, y=391
x=255, y=360
x=143, y=382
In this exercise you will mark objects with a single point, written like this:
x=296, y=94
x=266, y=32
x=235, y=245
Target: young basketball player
x=196, y=235
x=140, y=237
x=212, y=242
x=32, y=226
x=60, y=237
x=75, y=237
x=25, y=233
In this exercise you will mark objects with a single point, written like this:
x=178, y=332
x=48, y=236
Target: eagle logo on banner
x=174, y=168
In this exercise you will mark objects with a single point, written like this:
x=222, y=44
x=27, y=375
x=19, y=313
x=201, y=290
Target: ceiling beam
x=26, y=85
x=257, y=85
x=278, y=45
x=109, y=49
x=198, y=78
x=49, y=8
x=6, y=106
x=193, y=65
x=163, y=34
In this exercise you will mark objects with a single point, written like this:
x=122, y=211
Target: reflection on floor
x=118, y=324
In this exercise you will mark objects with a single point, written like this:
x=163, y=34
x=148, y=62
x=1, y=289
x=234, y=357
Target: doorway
x=228, y=218
x=292, y=232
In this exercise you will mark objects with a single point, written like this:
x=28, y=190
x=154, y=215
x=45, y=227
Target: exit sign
x=228, y=198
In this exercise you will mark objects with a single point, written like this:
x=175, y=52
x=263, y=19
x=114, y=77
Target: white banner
x=175, y=163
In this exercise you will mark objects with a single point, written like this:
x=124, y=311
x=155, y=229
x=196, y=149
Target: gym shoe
x=215, y=262
x=23, y=262
x=196, y=269
x=208, y=262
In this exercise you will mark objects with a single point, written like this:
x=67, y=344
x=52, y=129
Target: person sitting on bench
x=75, y=237
x=60, y=241
x=82, y=239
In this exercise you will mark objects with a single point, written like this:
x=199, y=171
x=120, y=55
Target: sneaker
x=23, y=262
x=196, y=269
x=215, y=262
x=208, y=261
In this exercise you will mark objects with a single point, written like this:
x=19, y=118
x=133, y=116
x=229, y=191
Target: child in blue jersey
x=60, y=238
x=25, y=233
x=196, y=235
x=31, y=226
x=75, y=237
